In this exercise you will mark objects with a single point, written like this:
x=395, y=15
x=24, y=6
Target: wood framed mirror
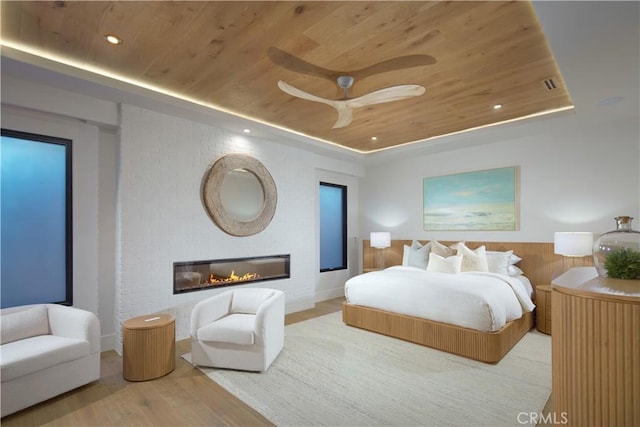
x=239, y=195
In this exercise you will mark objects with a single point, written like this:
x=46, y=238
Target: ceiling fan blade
x=298, y=93
x=399, y=63
x=389, y=94
x=293, y=63
x=345, y=114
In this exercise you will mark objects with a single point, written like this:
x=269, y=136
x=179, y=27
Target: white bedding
x=476, y=300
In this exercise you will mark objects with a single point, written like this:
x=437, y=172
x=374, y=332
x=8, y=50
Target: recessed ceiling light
x=497, y=106
x=247, y=131
x=113, y=39
x=374, y=138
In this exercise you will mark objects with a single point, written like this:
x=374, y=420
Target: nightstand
x=543, y=308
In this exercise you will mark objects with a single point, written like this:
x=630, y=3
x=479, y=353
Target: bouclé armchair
x=239, y=329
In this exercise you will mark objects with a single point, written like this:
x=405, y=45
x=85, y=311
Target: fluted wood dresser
x=596, y=353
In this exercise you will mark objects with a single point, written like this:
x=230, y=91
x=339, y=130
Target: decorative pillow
x=473, y=260
x=26, y=323
x=416, y=255
x=439, y=264
x=440, y=249
x=499, y=261
x=514, y=271
x=454, y=246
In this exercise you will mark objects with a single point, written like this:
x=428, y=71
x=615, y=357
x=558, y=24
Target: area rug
x=330, y=374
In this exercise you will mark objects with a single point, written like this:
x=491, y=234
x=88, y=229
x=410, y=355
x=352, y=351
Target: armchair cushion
x=37, y=353
x=249, y=300
x=234, y=328
x=30, y=322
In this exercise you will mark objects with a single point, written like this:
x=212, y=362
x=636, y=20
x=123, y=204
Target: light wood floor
x=185, y=397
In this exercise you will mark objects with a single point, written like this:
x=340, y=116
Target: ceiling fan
x=345, y=106
x=293, y=63
x=346, y=79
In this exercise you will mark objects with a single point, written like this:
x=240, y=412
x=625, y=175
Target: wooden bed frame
x=540, y=264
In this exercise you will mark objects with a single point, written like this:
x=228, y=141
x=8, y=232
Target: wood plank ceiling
x=232, y=54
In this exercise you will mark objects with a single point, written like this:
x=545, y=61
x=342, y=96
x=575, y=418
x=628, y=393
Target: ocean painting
x=481, y=200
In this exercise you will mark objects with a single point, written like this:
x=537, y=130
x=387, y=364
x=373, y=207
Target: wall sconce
x=573, y=244
x=380, y=240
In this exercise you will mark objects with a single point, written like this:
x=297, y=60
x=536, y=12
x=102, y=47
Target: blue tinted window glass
x=332, y=227
x=33, y=186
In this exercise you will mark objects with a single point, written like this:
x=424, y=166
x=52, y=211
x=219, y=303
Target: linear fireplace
x=192, y=276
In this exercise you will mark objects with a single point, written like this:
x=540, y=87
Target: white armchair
x=239, y=329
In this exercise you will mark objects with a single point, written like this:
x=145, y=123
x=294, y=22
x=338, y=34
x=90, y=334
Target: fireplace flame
x=233, y=277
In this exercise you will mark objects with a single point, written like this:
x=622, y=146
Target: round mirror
x=242, y=195
x=239, y=195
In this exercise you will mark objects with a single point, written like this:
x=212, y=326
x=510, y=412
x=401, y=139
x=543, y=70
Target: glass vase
x=616, y=254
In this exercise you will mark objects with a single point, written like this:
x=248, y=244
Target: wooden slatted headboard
x=539, y=263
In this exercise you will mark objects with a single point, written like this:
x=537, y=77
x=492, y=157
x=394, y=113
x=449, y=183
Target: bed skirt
x=488, y=347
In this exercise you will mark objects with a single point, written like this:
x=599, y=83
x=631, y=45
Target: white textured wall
x=161, y=218
x=574, y=176
x=85, y=193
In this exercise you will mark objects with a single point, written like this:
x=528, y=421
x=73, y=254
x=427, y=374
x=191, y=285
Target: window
x=35, y=212
x=333, y=227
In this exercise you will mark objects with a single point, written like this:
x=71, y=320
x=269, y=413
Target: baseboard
x=108, y=342
x=299, y=305
x=327, y=294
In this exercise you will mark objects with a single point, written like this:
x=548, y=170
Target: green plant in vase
x=623, y=263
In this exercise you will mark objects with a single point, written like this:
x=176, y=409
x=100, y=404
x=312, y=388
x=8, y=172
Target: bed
x=487, y=341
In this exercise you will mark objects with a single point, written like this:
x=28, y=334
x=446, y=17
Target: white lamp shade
x=573, y=243
x=380, y=239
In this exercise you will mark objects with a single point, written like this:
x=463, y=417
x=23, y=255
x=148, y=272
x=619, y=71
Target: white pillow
x=440, y=249
x=499, y=261
x=512, y=270
x=473, y=260
x=438, y=264
x=514, y=259
x=416, y=255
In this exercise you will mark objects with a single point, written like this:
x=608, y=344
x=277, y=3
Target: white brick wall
x=161, y=218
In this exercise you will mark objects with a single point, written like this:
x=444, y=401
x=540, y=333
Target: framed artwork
x=482, y=200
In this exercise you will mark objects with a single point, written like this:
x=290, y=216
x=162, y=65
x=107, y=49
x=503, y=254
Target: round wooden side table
x=148, y=347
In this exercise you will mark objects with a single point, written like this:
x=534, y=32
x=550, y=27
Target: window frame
x=68, y=203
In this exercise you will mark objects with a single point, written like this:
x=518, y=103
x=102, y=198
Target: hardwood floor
x=185, y=397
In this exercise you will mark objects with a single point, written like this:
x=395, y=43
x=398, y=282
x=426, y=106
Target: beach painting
x=481, y=200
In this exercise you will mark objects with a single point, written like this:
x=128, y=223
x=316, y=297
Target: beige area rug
x=330, y=374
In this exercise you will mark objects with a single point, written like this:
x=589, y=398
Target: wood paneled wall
x=539, y=263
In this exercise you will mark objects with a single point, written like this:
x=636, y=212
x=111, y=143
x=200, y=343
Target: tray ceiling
x=231, y=55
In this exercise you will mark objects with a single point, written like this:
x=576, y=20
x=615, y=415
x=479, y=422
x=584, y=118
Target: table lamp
x=380, y=240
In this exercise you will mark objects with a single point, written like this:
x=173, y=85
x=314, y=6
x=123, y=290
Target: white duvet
x=476, y=300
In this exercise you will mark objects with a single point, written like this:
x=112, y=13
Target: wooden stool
x=148, y=347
